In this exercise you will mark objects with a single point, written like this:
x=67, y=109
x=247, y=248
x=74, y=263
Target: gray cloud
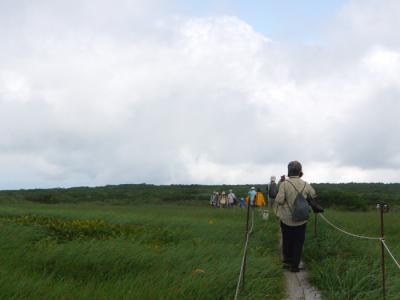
x=93, y=93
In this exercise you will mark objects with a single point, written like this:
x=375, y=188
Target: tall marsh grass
x=343, y=267
x=91, y=251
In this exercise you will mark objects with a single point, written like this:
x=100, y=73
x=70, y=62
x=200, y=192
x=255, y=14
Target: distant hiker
x=217, y=199
x=272, y=191
x=223, y=200
x=260, y=199
x=213, y=199
x=251, y=196
x=275, y=206
x=242, y=203
x=292, y=190
x=231, y=198
x=283, y=178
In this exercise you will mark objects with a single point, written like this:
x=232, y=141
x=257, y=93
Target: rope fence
x=382, y=240
x=390, y=253
x=244, y=255
x=346, y=232
x=383, y=208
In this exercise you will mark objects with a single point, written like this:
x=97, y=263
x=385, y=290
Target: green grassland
x=164, y=242
x=98, y=251
x=344, y=267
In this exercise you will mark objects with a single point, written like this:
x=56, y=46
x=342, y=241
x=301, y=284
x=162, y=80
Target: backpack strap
x=305, y=183
x=284, y=189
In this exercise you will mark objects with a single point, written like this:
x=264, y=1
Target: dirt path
x=298, y=287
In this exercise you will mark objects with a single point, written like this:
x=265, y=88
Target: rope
x=244, y=254
x=387, y=248
x=381, y=239
x=252, y=221
x=348, y=233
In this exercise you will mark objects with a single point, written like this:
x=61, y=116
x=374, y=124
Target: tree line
x=351, y=196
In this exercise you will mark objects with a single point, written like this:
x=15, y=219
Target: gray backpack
x=301, y=209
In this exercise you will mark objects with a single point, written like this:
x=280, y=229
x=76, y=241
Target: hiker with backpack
x=272, y=191
x=293, y=212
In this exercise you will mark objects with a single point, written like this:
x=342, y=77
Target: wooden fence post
x=382, y=209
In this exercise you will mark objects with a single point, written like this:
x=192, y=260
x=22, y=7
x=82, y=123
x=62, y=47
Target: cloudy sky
x=172, y=91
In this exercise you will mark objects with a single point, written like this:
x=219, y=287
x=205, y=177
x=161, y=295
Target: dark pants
x=292, y=244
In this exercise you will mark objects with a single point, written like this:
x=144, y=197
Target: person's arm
x=280, y=198
x=311, y=192
x=312, y=199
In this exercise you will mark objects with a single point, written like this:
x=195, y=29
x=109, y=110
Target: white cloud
x=129, y=93
x=384, y=66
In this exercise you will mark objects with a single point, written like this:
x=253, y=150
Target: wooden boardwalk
x=298, y=287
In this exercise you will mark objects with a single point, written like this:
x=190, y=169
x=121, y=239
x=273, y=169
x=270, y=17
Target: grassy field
x=99, y=251
x=179, y=251
x=343, y=267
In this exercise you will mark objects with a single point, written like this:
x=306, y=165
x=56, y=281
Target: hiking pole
x=382, y=209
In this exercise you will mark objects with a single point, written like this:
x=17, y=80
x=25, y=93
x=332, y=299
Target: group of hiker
x=223, y=200
x=290, y=199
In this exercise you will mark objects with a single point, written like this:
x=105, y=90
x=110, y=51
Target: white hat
x=253, y=188
x=273, y=178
